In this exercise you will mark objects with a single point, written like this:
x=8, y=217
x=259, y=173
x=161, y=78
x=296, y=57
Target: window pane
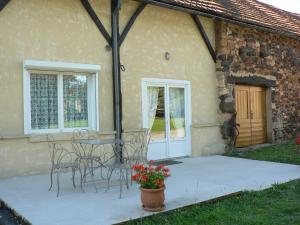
x=75, y=101
x=177, y=114
x=156, y=112
x=44, y=104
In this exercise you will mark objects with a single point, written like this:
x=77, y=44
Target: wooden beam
x=96, y=20
x=116, y=74
x=3, y=4
x=131, y=22
x=205, y=37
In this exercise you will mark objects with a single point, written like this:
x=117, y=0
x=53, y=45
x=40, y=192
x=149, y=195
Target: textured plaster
x=63, y=31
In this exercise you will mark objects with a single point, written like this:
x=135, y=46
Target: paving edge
x=209, y=201
x=20, y=219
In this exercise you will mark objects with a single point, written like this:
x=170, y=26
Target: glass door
x=157, y=122
x=177, y=121
x=165, y=113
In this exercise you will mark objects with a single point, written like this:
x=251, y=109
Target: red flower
x=167, y=170
x=135, y=177
x=297, y=141
x=150, y=169
x=144, y=178
x=151, y=177
x=159, y=167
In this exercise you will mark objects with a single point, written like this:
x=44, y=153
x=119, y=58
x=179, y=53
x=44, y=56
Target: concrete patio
x=195, y=180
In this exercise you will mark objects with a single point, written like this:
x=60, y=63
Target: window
x=60, y=97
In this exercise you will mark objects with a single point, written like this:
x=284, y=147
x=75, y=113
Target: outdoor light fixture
x=167, y=56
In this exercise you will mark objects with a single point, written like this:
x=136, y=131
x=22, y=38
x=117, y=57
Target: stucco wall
x=63, y=31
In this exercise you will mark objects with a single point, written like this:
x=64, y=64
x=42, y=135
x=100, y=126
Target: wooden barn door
x=251, y=115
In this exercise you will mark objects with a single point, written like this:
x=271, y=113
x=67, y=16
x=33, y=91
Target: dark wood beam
x=116, y=73
x=3, y=4
x=96, y=20
x=131, y=22
x=205, y=37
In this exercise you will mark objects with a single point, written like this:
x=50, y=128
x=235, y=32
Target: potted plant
x=151, y=179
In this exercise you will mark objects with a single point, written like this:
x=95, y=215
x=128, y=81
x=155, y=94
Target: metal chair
x=136, y=146
x=85, y=155
x=117, y=164
x=62, y=160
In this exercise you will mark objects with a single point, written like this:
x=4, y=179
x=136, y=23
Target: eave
x=220, y=17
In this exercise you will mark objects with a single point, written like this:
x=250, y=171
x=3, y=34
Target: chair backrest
x=81, y=134
x=136, y=146
x=82, y=150
x=58, y=153
x=51, y=144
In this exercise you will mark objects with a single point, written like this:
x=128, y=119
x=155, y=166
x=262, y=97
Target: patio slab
x=195, y=180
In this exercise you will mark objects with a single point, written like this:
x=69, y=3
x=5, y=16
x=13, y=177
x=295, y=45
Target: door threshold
x=169, y=161
x=172, y=158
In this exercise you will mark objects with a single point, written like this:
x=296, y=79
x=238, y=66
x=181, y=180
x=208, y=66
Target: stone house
x=179, y=67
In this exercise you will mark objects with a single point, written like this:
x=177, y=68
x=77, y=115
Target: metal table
x=88, y=158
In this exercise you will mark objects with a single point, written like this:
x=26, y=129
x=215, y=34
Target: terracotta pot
x=153, y=199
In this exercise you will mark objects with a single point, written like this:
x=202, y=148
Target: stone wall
x=251, y=56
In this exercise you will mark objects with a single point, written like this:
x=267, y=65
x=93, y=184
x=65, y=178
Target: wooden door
x=251, y=115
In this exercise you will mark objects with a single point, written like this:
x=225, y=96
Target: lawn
x=283, y=153
x=160, y=124
x=279, y=205
x=74, y=124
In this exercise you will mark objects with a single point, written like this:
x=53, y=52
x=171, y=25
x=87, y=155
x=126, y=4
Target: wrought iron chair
x=116, y=164
x=136, y=146
x=85, y=156
x=62, y=160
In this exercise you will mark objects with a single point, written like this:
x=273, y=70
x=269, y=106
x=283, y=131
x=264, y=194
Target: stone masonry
x=256, y=57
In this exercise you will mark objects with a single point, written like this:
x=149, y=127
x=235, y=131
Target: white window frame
x=59, y=68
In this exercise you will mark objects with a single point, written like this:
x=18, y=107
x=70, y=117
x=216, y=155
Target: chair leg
x=51, y=179
x=120, y=195
x=109, y=173
x=81, y=178
x=73, y=177
x=84, y=171
x=57, y=180
x=126, y=179
x=101, y=170
x=93, y=181
x=92, y=166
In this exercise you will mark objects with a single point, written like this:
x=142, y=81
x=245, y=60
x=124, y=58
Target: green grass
x=78, y=123
x=160, y=124
x=284, y=153
x=279, y=205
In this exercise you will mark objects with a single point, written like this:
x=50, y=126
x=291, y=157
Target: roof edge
x=190, y=10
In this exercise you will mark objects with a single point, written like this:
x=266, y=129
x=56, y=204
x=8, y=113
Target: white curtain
x=44, y=104
x=177, y=116
x=152, y=104
x=75, y=101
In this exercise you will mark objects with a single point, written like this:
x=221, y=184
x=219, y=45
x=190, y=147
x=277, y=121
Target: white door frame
x=166, y=83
